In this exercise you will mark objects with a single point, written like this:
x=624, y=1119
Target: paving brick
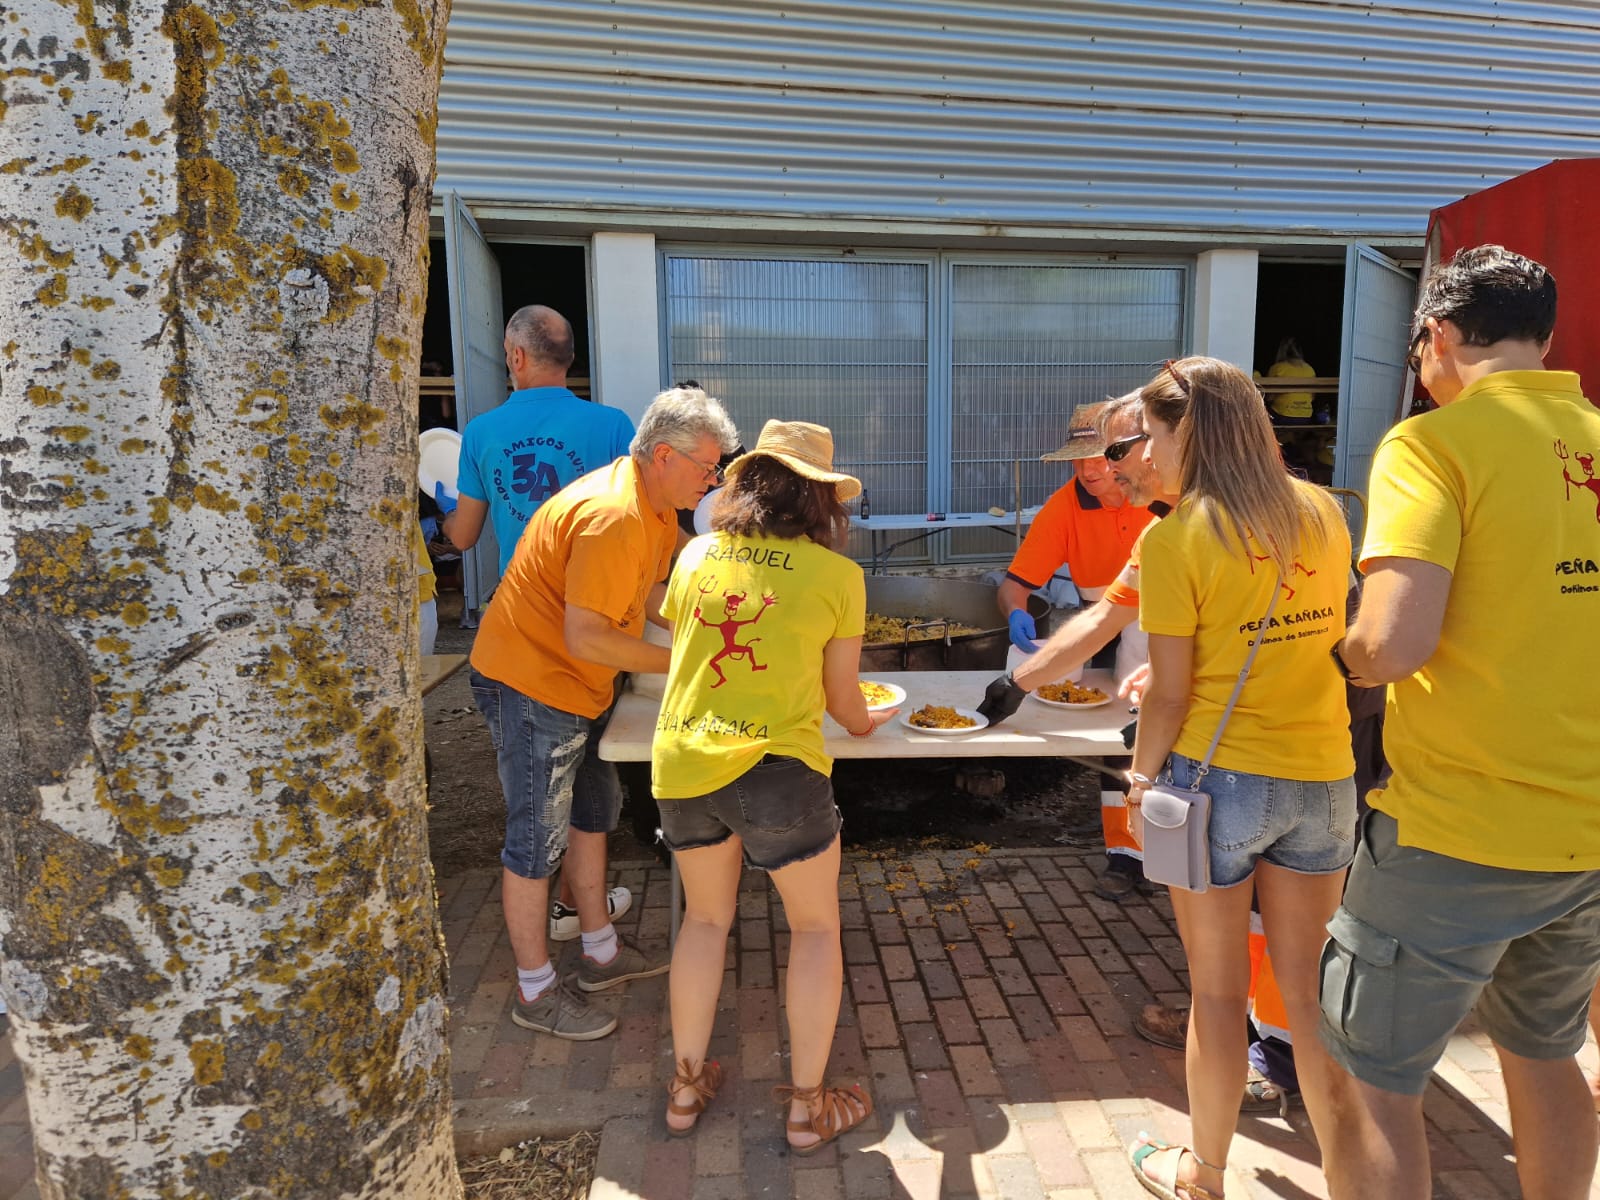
x=939, y=979
x=1038, y=955
x=1012, y=977
x=878, y=1026
x=756, y=969
x=925, y=1050
x=910, y=1001
x=955, y=1022
x=866, y=984
x=754, y=935
x=892, y=1084
x=1015, y=1176
x=927, y=945
x=897, y=962
x=984, y=997
x=818, y=1182
x=975, y=1071
x=858, y=947
x=943, y=1106
x=887, y=929
x=1005, y=1042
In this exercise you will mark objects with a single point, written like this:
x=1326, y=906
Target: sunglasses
x=1414, y=357
x=712, y=471
x=1120, y=449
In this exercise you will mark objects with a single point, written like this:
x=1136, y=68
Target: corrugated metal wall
x=1272, y=116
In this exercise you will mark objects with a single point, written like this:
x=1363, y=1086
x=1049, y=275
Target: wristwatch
x=1339, y=664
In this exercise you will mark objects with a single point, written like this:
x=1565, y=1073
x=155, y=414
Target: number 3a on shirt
x=533, y=478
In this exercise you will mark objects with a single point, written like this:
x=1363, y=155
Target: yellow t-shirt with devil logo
x=750, y=618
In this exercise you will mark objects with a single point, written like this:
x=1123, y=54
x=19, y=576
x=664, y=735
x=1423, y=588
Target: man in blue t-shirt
x=516, y=456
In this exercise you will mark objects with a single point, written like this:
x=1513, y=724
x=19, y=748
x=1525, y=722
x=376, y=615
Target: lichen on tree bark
x=219, y=937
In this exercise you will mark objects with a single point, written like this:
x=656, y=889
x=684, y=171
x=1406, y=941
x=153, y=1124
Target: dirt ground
x=886, y=805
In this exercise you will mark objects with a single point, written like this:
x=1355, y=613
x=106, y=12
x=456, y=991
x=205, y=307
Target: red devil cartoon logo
x=1586, y=465
x=729, y=627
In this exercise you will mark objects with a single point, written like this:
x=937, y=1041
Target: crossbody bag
x=1177, y=821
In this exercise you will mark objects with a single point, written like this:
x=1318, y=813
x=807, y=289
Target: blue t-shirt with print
x=516, y=456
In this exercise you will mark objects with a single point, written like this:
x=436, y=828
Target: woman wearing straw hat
x=767, y=623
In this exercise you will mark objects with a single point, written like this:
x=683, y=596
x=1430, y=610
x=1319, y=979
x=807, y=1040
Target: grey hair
x=544, y=333
x=679, y=417
x=1115, y=408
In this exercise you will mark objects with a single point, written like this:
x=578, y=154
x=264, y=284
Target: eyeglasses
x=712, y=471
x=1120, y=449
x=1414, y=358
x=1183, y=384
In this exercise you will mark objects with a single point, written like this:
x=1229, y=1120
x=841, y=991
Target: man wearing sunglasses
x=1476, y=880
x=1119, y=441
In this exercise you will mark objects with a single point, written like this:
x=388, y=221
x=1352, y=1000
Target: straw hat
x=804, y=448
x=1084, y=439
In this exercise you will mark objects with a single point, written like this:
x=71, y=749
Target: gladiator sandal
x=831, y=1112
x=702, y=1088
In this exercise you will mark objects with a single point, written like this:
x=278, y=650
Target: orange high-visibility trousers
x=1114, y=816
x=1266, y=1001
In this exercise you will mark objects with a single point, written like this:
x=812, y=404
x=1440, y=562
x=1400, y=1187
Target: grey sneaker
x=564, y=921
x=630, y=963
x=562, y=1014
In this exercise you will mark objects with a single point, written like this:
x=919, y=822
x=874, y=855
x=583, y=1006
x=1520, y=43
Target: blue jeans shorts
x=781, y=810
x=550, y=773
x=1309, y=828
x=1422, y=938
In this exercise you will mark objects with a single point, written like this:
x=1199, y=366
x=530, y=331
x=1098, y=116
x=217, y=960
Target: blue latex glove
x=1022, y=630
x=447, y=502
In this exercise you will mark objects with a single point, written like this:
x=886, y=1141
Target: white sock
x=601, y=946
x=535, y=983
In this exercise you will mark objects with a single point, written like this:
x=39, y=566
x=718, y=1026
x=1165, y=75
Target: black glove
x=1000, y=699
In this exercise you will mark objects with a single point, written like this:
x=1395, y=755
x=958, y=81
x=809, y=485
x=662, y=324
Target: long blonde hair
x=1230, y=465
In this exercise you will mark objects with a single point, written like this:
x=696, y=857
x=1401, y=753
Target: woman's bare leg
x=710, y=877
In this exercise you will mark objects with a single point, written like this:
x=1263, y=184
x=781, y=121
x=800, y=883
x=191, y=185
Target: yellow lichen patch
x=138, y=1046
x=391, y=347
x=74, y=203
x=120, y=70
x=135, y=614
x=75, y=163
x=81, y=355
x=343, y=198
x=87, y=121
x=140, y=128
x=207, y=1058
x=106, y=369
x=353, y=279
x=345, y=159
x=294, y=182
x=34, y=248
x=14, y=166
x=54, y=292
x=357, y=414
x=68, y=433
x=134, y=446
x=96, y=303
x=270, y=1055
x=168, y=875
x=110, y=644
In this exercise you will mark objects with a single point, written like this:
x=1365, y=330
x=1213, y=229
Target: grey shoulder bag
x=1177, y=848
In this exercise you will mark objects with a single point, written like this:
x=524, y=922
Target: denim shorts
x=550, y=773
x=1309, y=828
x=781, y=810
x=1421, y=938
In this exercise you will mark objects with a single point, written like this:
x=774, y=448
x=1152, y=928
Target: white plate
x=894, y=701
x=438, y=459
x=1064, y=704
x=982, y=723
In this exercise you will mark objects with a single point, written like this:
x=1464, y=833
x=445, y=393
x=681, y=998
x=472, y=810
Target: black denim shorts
x=781, y=810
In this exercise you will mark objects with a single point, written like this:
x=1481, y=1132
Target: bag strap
x=1244, y=673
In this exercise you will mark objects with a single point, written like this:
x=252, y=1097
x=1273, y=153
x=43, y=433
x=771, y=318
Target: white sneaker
x=564, y=921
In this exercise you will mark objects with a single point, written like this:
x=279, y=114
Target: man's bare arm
x=463, y=527
x=591, y=636
x=1075, y=643
x=1397, y=629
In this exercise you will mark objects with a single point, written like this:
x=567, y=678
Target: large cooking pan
x=959, y=600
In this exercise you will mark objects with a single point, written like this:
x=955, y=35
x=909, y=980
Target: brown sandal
x=702, y=1083
x=833, y=1111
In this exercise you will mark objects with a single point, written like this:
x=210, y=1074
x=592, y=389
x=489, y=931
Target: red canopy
x=1550, y=214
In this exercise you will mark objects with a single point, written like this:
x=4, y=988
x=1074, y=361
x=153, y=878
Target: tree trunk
x=219, y=938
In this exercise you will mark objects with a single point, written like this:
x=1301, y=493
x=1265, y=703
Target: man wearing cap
x=1090, y=527
x=567, y=617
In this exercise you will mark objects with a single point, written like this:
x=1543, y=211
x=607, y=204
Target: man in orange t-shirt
x=568, y=616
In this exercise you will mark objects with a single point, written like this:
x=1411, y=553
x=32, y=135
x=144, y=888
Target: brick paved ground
x=988, y=1008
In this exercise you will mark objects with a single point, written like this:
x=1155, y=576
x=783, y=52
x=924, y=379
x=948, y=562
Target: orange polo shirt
x=597, y=544
x=1124, y=589
x=1075, y=529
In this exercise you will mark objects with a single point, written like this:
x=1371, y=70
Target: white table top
x=948, y=521
x=1035, y=731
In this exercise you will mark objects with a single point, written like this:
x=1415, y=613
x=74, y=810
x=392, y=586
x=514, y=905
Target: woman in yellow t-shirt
x=767, y=623
x=1283, y=802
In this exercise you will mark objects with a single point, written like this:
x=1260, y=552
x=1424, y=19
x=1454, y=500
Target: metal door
x=1378, y=299
x=477, y=336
